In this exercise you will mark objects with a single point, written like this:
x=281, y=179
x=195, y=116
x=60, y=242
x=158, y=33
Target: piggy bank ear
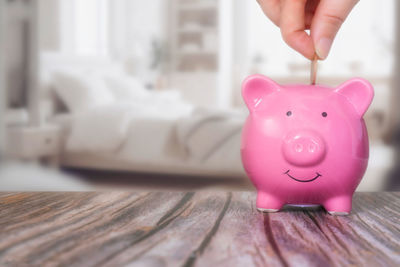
x=358, y=92
x=255, y=88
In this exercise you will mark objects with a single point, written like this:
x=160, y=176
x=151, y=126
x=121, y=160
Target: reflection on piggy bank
x=305, y=144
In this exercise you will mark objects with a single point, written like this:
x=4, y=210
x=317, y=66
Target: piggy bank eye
x=324, y=114
x=289, y=113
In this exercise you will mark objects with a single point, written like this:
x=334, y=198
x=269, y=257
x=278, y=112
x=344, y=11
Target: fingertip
x=322, y=47
x=301, y=42
x=293, y=27
x=328, y=19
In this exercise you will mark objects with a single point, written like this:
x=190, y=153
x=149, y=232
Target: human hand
x=322, y=17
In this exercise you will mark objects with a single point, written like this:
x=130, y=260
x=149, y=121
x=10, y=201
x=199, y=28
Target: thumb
x=329, y=17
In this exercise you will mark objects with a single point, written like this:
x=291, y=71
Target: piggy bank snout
x=303, y=148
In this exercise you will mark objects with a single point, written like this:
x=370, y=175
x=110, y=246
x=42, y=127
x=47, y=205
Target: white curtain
x=84, y=27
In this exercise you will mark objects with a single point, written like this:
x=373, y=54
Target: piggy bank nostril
x=312, y=148
x=298, y=148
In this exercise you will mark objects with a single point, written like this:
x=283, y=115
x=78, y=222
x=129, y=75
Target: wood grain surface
x=192, y=229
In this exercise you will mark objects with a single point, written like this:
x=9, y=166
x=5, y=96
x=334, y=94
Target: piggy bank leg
x=339, y=205
x=268, y=203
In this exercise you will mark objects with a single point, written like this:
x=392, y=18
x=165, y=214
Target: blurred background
x=101, y=94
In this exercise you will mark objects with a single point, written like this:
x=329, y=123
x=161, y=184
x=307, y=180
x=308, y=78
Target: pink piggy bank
x=305, y=144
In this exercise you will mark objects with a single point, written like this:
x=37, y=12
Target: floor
x=378, y=177
x=17, y=176
x=109, y=180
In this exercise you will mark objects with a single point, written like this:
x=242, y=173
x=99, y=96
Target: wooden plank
x=241, y=239
x=192, y=229
x=370, y=236
x=75, y=220
x=183, y=238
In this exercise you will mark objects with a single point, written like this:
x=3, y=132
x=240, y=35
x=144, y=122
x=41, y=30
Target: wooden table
x=192, y=229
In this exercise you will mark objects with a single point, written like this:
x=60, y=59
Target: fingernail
x=323, y=46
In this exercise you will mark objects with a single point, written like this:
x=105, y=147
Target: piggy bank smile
x=302, y=180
